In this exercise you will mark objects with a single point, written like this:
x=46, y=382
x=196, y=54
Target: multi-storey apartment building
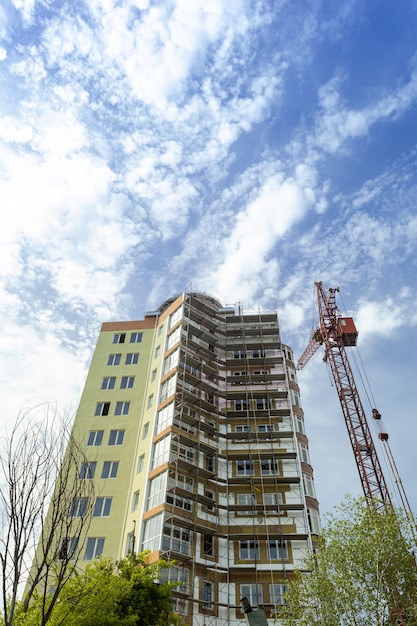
x=195, y=438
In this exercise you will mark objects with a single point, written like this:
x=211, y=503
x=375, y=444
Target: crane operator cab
x=347, y=331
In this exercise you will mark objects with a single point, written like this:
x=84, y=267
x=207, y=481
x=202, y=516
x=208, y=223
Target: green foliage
x=106, y=594
x=361, y=573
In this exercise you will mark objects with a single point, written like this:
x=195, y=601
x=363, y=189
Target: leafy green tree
x=362, y=573
x=106, y=594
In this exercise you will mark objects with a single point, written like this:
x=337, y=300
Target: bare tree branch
x=45, y=508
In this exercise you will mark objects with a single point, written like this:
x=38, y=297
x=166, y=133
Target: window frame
x=117, y=434
x=111, y=468
x=245, y=467
x=102, y=506
x=108, y=382
x=96, y=547
x=78, y=507
x=122, y=407
x=136, y=337
x=127, y=382
x=132, y=358
x=102, y=409
x=249, y=550
x=87, y=470
x=95, y=438
x=277, y=549
x=114, y=359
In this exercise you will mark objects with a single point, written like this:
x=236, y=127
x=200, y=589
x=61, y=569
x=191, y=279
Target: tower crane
x=336, y=333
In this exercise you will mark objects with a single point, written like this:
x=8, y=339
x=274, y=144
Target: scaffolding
x=239, y=509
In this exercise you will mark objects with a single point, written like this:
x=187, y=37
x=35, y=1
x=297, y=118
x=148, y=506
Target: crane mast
x=335, y=333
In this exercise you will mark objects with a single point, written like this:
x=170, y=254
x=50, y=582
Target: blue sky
x=241, y=147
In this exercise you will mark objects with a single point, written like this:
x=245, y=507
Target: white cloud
x=26, y=8
x=337, y=124
x=379, y=318
x=279, y=205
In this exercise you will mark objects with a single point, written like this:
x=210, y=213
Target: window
x=153, y=375
x=184, y=482
x=168, y=388
x=157, y=351
x=258, y=354
x=78, y=507
x=171, y=361
x=304, y=454
x=272, y=499
x=102, y=507
x=263, y=404
x=94, y=547
x=116, y=437
x=300, y=424
x=108, y=382
x=242, y=404
x=277, y=593
x=150, y=401
x=277, y=549
x=184, y=453
x=175, y=317
x=295, y=397
x=141, y=462
x=210, y=495
x=161, y=452
x=210, y=463
x=110, y=469
x=136, y=337
x=176, y=574
x=248, y=549
x=208, y=545
x=119, y=338
x=291, y=373
x=244, y=467
x=248, y=500
x=152, y=533
x=177, y=539
x=243, y=429
x=239, y=354
x=269, y=466
x=95, y=437
x=122, y=408
x=253, y=593
x=102, y=408
x=87, y=469
x=265, y=428
x=132, y=358
x=313, y=521
x=145, y=430
x=68, y=548
x=164, y=418
x=180, y=605
x=130, y=543
x=173, y=338
x=127, y=382
x=156, y=491
x=160, y=329
x=114, y=359
x=207, y=595
x=180, y=502
x=135, y=501
x=309, y=485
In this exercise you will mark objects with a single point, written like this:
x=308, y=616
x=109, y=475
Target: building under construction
x=195, y=438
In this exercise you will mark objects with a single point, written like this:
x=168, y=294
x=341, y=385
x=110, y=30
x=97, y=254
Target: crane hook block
x=376, y=414
x=383, y=436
